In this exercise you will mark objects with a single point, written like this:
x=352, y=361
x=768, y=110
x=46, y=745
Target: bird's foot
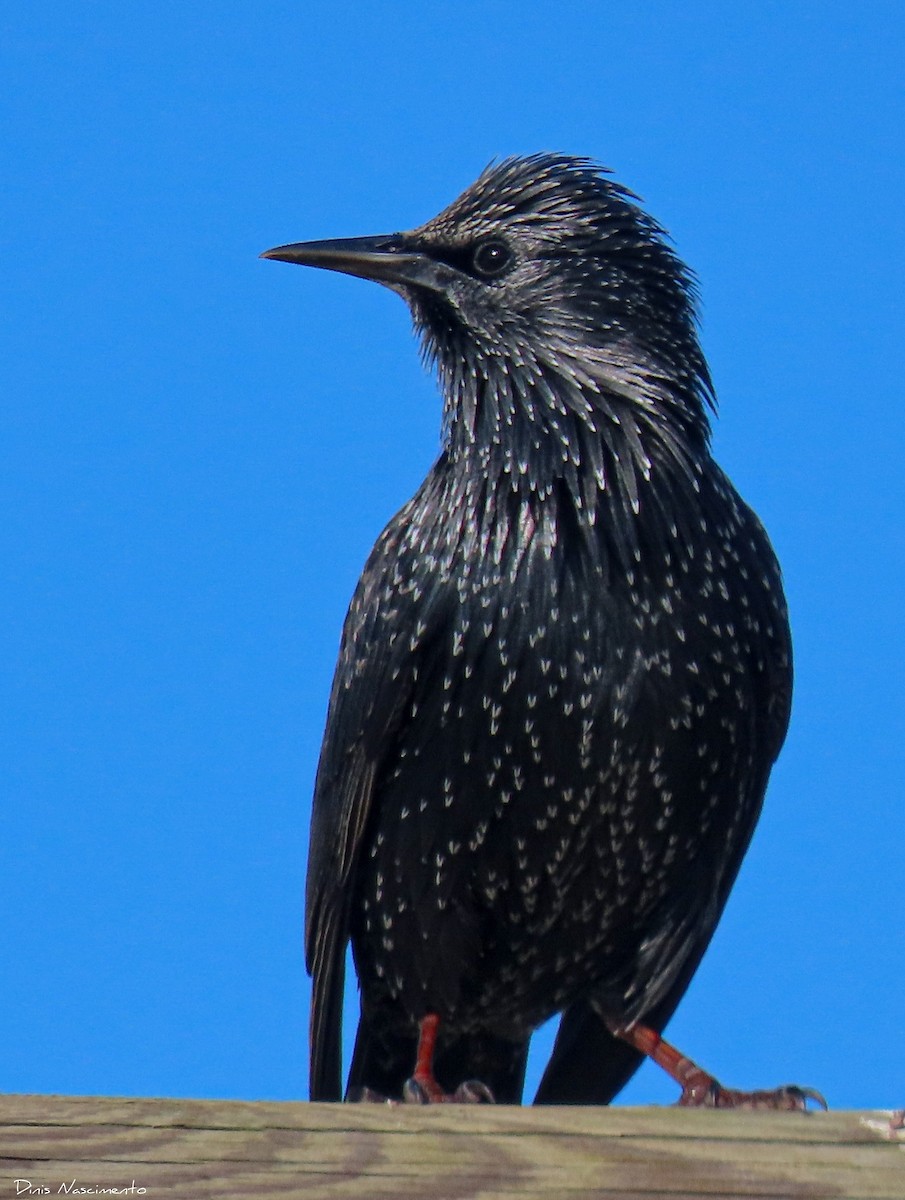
x=421, y=1089
x=426, y=1090
x=897, y=1121
x=702, y=1090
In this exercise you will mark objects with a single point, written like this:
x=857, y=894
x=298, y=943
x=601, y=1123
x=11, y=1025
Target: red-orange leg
x=701, y=1090
x=423, y=1087
x=423, y=1076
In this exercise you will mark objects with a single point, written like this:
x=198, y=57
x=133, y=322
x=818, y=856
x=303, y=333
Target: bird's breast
x=574, y=744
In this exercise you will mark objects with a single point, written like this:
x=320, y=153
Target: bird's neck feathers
x=612, y=432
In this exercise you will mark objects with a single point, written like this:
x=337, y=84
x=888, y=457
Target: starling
x=564, y=676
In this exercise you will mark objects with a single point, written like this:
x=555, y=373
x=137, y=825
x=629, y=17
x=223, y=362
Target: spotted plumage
x=565, y=673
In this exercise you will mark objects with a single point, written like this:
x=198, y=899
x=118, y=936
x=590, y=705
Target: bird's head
x=547, y=272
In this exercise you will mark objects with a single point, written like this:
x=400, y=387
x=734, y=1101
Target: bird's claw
x=427, y=1091
x=472, y=1091
x=703, y=1091
x=699, y=1088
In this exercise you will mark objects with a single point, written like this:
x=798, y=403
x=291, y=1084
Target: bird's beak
x=385, y=259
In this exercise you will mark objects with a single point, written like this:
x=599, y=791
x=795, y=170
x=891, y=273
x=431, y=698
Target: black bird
x=565, y=673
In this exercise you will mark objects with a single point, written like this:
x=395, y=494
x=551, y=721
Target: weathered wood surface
x=231, y=1150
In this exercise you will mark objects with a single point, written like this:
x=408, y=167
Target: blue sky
x=199, y=449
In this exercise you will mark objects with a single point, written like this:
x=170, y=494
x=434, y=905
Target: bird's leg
x=700, y=1090
x=423, y=1088
x=897, y=1121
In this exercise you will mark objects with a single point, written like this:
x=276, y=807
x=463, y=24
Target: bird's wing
x=371, y=693
x=588, y=1064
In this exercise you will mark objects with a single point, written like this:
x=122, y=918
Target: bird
x=564, y=676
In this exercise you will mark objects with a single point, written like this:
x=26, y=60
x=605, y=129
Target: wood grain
x=182, y=1149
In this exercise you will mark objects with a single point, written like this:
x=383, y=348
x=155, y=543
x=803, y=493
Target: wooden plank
x=181, y=1149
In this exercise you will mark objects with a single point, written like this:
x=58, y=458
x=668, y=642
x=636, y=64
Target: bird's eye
x=491, y=258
